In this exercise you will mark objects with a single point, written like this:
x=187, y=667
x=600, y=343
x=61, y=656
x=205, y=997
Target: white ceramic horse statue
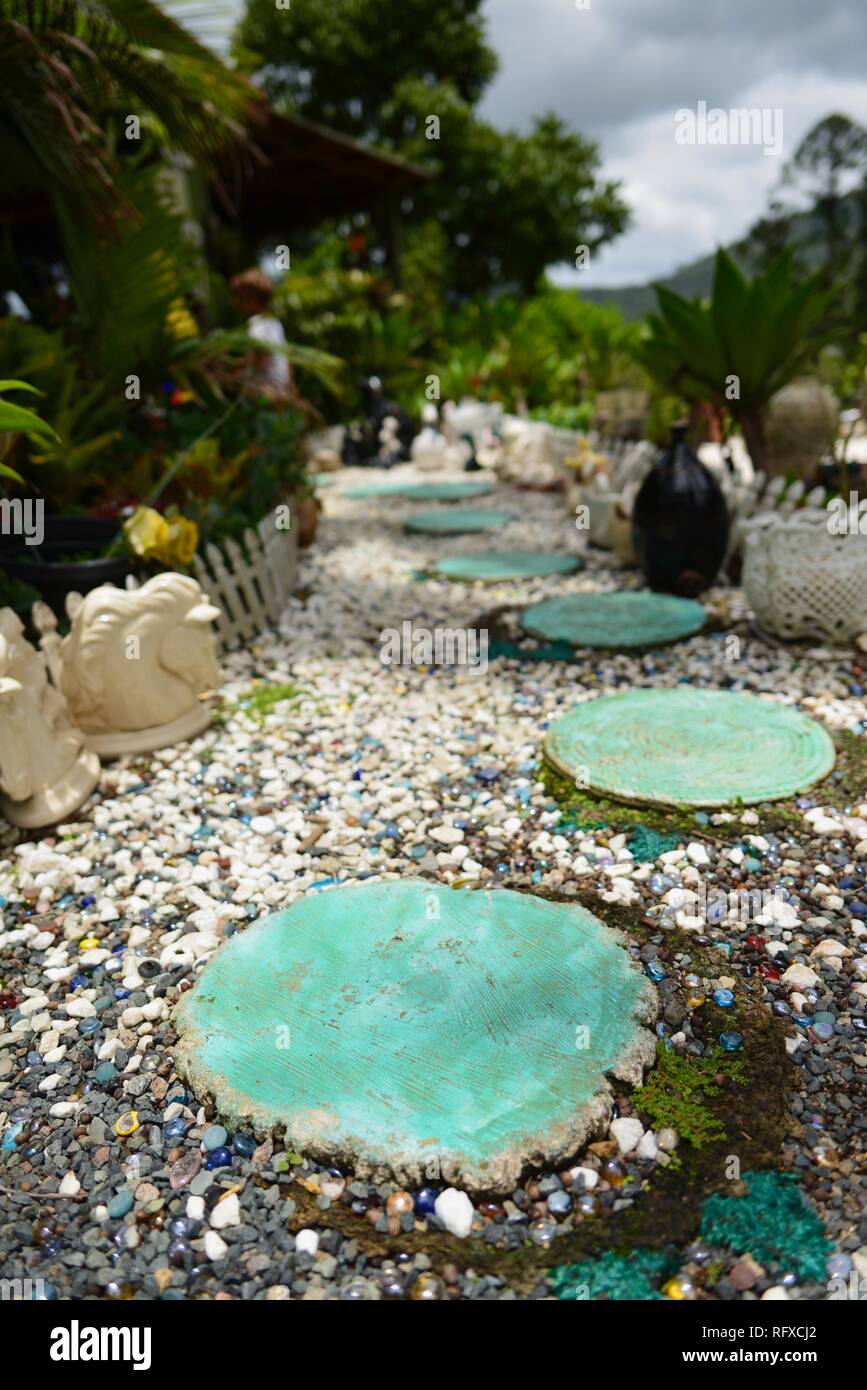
x=137, y=662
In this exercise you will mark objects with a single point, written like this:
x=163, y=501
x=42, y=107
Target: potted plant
x=739, y=349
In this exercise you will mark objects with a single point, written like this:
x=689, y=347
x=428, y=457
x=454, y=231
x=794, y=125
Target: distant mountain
x=634, y=301
x=696, y=278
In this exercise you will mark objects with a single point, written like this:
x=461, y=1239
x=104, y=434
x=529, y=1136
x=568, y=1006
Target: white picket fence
x=250, y=588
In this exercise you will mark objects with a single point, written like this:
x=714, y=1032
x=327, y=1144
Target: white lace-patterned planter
x=801, y=580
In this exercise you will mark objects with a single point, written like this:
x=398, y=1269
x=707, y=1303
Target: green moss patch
x=263, y=698
x=678, y=1089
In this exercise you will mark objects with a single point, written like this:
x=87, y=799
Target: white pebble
x=227, y=1212
x=455, y=1211
x=647, y=1146
x=215, y=1246
x=628, y=1132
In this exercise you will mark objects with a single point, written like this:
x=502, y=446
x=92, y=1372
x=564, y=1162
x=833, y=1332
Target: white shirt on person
x=268, y=329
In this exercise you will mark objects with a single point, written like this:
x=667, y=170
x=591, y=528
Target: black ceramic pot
x=68, y=558
x=680, y=521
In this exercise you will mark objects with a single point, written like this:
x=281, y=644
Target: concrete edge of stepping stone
x=498, y=1174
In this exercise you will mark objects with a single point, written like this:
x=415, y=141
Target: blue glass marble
x=731, y=1042
x=244, y=1145
x=724, y=998
x=655, y=970
x=176, y=1128
x=220, y=1158
x=425, y=1201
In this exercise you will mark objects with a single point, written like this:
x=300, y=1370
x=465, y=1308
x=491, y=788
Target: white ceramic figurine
x=136, y=663
x=45, y=770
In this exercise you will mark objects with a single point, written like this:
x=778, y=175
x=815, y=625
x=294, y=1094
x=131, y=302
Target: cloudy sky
x=619, y=70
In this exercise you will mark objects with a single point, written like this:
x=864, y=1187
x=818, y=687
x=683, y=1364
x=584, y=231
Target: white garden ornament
x=136, y=663
x=45, y=770
x=802, y=579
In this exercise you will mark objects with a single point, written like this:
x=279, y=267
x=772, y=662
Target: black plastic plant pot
x=62, y=562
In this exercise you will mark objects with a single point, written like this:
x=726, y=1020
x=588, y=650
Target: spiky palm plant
x=75, y=71
x=736, y=351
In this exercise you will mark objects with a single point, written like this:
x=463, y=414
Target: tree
x=407, y=78
x=833, y=149
x=339, y=63
x=819, y=214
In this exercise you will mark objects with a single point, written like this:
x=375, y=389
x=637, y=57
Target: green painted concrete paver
x=457, y=522
x=617, y=620
x=394, y=1025
x=499, y=565
x=686, y=747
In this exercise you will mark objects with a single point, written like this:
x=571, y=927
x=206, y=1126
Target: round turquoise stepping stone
x=420, y=492
x=444, y=492
x=358, y=494
x=506, y=564
x=392, y=1025
x=619, y=620
x=686, y=747
x=456, y=523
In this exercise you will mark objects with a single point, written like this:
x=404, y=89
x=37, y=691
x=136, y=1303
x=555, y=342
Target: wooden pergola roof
x=301, y=172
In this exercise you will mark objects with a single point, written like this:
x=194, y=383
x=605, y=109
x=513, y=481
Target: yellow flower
x=179, y=321
x=146, y=532
x=172, y=540
x=183, y=537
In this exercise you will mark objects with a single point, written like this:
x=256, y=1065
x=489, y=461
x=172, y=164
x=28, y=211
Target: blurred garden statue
x=253, y=292
x=46, y=772
x=430, y=449
x=138, y=662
